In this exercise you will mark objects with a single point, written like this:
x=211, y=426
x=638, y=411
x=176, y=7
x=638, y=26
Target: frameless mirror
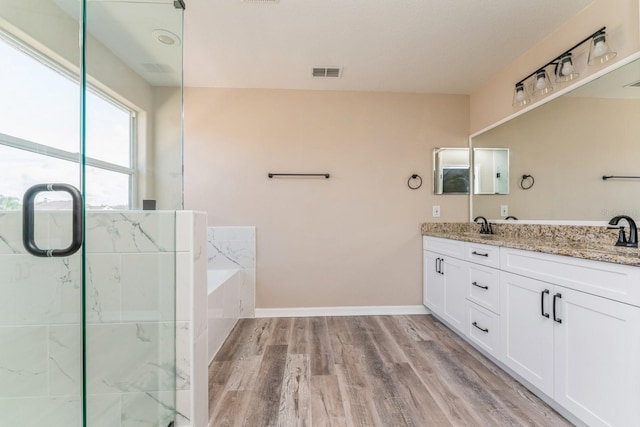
x=565, y=147
x=490, y=171
x=451, y=171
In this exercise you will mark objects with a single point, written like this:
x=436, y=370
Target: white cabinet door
x=526, y=340
x=456, y=276
x=433, y=286
x=597, y=359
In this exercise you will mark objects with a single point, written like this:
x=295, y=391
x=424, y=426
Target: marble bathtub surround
x=230, y=248
x=588, y=242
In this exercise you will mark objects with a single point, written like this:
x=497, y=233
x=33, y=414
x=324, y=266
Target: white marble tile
x=147, y=409
x=223, y=254
x=59, y=228
x=123, y=358
x=183, y=408
x=183, y=356
x=103, y=287
x=200, y=383
x=23, y=361
x=65, y=360
x=104, y=410
x=11, y=233
x=231, y=233
x=248, y=294
x=148, y=287
x=63, y=411
x=184, y=283
x=184, y=231
x=39, y=290
x=131, y=231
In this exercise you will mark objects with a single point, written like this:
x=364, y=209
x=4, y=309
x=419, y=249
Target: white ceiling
x=429, y=46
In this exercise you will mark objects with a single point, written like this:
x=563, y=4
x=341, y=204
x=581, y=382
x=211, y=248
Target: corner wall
x=351, y=240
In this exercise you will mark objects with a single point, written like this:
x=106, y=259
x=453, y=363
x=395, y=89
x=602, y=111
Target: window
x=40, y=133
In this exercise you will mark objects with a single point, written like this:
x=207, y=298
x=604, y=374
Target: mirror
x=490, y=171
x=451, y=171
x=567, y=145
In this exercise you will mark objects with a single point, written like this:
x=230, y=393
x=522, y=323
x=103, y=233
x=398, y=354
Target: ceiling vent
x=634, y=84
x=326, y=71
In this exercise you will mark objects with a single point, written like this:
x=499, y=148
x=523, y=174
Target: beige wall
x=492, y=102
x=350, y=240
x=568, y=145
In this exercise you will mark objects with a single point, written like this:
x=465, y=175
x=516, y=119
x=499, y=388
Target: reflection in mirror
x=568, y=144
x=490, y=171
x=451, y=171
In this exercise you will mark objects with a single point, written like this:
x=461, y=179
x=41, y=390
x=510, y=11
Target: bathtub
x=223, y=306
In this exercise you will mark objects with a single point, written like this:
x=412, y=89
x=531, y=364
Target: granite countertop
x=589, y=242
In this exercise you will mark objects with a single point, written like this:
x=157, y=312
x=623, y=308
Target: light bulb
x=600, y=48
x=519, y=95
x=540, y=82
x=567, y=68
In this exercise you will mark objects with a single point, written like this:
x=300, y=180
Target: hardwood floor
x=362, y=371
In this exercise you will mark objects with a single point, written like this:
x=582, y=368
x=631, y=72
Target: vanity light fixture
x=521, y=96
x=565, y=71
x=565, y=68
x=542, y=84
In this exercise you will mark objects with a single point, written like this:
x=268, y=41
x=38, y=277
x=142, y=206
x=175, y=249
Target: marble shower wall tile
x=39, y=290
x=23, y=361
x=136, y=231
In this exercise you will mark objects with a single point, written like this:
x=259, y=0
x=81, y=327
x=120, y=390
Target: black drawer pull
x=479, y=254
x=542, y=294
x=479, y=286
x=555, y=298
x=478, y=327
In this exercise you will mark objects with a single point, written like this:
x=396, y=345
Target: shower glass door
x=40, y=296
x=90, y=98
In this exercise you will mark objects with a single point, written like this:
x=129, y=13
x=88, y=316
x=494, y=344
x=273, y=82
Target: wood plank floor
x=362, y=371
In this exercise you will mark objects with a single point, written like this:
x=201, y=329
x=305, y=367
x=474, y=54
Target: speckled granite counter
x=588, y=242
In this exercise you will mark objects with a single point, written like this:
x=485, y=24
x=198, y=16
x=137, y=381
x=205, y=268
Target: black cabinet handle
x=542, y=294
x=28, y=220
x=479, y=286
x=479, y=254
x=478, y=327
x=555, y=298
x=441, y=266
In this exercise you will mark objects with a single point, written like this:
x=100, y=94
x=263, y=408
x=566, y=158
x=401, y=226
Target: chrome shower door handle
x=28, y=221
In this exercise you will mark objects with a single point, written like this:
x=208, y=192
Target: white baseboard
x=382, y=310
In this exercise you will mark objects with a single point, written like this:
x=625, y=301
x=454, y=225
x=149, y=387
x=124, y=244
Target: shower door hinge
x=179, y=4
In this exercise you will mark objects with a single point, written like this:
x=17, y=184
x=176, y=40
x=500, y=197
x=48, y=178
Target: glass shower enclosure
x=90, y=133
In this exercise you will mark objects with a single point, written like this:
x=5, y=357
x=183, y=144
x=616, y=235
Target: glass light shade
x=600, y=50
x=542, y=84
x=521, y=96
x=565, y=70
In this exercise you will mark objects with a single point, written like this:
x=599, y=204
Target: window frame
x=46, y=150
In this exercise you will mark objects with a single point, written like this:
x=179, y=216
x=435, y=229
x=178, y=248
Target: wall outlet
x=504, y=210
x=436, y=211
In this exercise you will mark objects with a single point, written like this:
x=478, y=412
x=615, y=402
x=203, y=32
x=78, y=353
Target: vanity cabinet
x=580, y=349
x=568, y=327
x=444, y=281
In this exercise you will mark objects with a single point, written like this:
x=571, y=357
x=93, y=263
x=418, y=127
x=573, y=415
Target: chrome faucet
x=485, y=227
x=633, y=231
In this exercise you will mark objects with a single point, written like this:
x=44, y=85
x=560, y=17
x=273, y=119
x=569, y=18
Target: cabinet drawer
x=608, y=280
x=483, y=287
x=483, y=254
x=483, y=328
x=454, y=248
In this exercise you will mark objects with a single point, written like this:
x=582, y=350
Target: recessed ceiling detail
x=326, y=72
